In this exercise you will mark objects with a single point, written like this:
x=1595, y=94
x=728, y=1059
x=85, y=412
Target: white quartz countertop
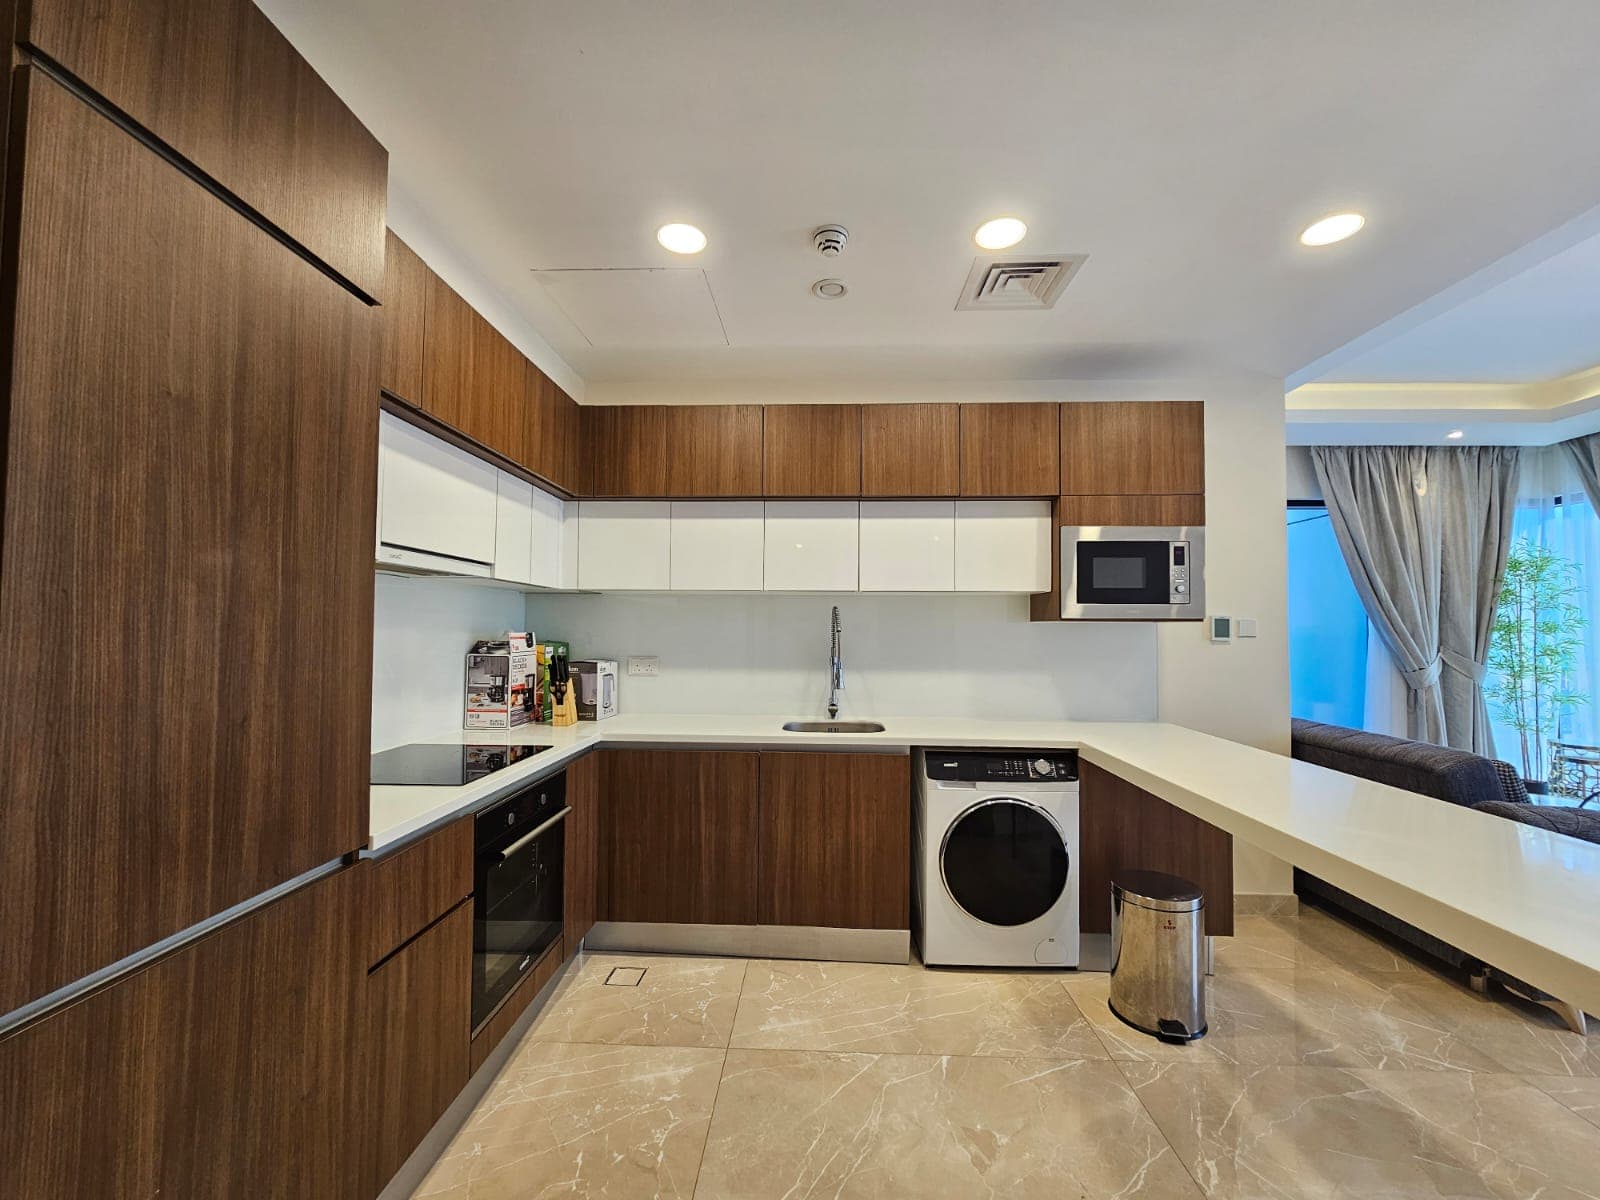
x=1522, y=899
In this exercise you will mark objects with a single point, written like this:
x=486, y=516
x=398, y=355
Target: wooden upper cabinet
x=1010, y=449
x=405, y=303
x=910, y=450
x=1133, y=448
x=677, y=451
x=188, y=523
x=474, y=380
x=835, y=840
x=811, y=450
x=232, y=1067
x=216, y=81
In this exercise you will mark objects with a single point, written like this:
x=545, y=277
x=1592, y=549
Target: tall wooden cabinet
x=190, y=479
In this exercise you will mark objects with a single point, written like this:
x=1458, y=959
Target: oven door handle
x=522, y=841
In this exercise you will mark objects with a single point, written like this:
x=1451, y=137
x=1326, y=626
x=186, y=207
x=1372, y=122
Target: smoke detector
x=828, y=289
x=830, y=239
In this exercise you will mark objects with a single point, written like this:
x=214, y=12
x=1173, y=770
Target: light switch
x=1247, y=627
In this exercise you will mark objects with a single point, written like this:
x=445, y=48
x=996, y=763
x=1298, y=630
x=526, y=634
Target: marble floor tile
x=1270, y=1133
x=590, y=1121
x=909, y=1010
x=1312, y=938
x=858, y=1126
x=678, y=1002
x=1580, y=1094
x=1302, y=1016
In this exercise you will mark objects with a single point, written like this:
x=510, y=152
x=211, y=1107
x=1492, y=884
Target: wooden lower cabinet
x=581, y=867
x=418, y=1042
x=229, y=1068
x=1125, y=827
x=411, y=888
x=835, y=840
x=680, y=836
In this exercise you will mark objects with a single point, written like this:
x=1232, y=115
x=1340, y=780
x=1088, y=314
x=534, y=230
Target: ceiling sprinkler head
x=828, y=289
x=830, y=239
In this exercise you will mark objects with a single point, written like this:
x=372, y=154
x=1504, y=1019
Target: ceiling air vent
x=1018, y=280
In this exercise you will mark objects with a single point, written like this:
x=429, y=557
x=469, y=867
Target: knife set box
x=544, y=710
x=596, y=681
x=502, y=683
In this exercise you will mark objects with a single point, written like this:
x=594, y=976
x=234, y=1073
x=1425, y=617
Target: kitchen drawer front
x=216, y=81
x=414, y=887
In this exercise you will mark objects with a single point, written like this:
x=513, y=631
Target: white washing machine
x=996, y=858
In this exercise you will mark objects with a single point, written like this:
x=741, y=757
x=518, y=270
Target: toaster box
x=596, y=681
x=502, y=683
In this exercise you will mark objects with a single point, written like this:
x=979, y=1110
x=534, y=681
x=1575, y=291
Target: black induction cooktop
x=446, y=764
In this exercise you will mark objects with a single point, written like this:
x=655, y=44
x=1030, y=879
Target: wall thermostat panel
x=1221, y=629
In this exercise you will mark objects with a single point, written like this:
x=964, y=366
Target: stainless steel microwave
x=1133, y=573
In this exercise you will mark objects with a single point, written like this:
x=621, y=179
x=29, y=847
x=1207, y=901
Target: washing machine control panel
x=1009, y=766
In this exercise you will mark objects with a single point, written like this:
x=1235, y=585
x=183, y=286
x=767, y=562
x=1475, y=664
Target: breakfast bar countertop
x=1522, y=899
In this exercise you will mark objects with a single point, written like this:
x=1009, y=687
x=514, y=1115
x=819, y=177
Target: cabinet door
x=717, y=545
x=835, y=840
x=513, y=529
x=910, y=450
x=552, y=436
x=405, y=299
x=571, y=545
x=449, y=367
x=625, y=449
x=908, y=545
x=714, y=450
x=1010, y=449
x=410, y=889
x=625, y=545
x=508, y=423
x=216, y=81
x=811, y=450
x=812, y=545
x=190, y=482
x=419, y=1013
x=582, y=849
x=231, y=1067
x=1003, y=545
x=1133, y=448
x=546, y=544
x=437, y=498
x=1125, y=827
x=680, y=835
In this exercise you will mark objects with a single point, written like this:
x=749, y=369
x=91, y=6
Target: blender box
x=502, y=683
x=596, y=681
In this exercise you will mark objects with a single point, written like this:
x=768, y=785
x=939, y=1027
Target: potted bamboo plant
x=1533, y=650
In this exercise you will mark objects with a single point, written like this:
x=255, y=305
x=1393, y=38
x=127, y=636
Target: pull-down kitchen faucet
x=835, y=669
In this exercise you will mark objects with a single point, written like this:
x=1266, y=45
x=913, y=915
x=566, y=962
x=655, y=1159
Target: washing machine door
x=1004, y=861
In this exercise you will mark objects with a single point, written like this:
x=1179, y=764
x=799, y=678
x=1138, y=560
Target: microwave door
x=1132, y=573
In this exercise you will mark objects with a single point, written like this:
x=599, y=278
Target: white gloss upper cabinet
x=571, y=515
x=625, y=545
x=435, y=499
x=1003, y=546
x=908, y=545
x=812, y=545
x=717, y=545
x=513, y=529
x=547, y=535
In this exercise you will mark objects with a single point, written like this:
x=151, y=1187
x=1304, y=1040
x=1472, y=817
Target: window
x=1327, y=625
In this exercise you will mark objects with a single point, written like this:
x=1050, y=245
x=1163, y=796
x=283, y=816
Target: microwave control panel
x=1178, y=571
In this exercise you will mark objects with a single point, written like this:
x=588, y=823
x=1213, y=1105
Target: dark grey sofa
x=1453, y=776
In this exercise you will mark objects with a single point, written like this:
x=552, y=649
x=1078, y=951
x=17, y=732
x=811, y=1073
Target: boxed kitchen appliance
x=596, y=681
x=502, y=683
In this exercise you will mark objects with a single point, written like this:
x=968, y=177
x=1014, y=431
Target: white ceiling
x=1181, y=146
x=1538, y=325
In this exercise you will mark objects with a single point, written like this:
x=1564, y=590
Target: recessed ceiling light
x=681, y=239
x=1000, y=233
x=1455, y=435
x=1332, y=229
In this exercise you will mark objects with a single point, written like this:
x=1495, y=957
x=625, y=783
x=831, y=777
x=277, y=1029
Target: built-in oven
x=1132, y=573
x=516, y=889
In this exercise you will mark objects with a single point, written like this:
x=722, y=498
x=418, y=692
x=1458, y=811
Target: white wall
x=976, y=656
x=421, y=631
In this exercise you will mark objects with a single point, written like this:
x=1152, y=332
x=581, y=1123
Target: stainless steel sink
x=833, y=727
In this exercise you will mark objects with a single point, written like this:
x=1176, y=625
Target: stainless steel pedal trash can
x=1158, y=978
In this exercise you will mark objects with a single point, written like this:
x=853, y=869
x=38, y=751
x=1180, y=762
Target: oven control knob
x=1180, y=588
x=1044, y=766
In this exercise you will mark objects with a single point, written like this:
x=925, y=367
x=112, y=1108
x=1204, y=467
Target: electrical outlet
x=644, y=664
